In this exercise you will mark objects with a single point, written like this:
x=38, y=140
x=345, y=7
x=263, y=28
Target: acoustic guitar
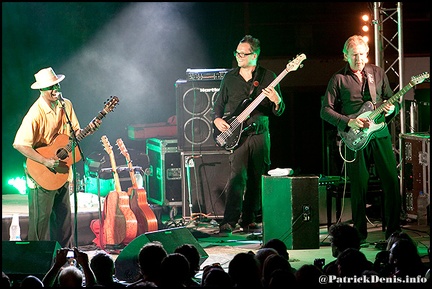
x=111, y=231
x=147, y=221
x=61, y=148
x=122, y=197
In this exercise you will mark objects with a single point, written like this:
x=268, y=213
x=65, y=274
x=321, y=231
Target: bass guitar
x=147, y=221
x=61, y=148
x=123, y=199
x=230, y=138
x=357, y=139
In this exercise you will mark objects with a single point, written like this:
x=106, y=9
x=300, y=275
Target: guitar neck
x=115, y=173
x=132, y=175
x=125, y=153
x=392, y=100
x=84, y=132
x=248, y=110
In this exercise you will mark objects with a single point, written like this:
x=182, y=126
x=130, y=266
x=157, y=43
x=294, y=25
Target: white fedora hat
x=46, y=77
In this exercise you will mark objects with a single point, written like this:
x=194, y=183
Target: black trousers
x=380, y=151
x=248, y=163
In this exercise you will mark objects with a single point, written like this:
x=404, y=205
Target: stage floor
x=219, y=249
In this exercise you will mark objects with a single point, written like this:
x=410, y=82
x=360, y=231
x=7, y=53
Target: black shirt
x=345, y=95
x=234, y=90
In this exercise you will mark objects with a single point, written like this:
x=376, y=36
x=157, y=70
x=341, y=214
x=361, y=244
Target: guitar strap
x=259, y=72
x=371, y=83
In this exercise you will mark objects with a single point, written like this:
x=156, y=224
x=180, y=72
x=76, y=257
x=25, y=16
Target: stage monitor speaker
x=290, y=210
x=126, y=264
x=205, y=177
x=23, y=258
x=194, y=121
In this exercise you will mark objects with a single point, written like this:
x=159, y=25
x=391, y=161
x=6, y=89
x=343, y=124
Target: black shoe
x=251, y=227
x=225, y=230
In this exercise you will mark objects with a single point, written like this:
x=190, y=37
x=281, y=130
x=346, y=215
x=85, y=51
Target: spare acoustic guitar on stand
x=147, y=221
x=119, y=204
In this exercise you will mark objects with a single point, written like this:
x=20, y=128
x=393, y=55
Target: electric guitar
x=230, y=138
x=123, y=198
x=357, y=139
x=61, y=147
x=147, y=221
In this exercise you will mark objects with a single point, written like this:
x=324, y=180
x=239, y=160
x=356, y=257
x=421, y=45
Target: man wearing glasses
x=51, y=115
x=250, y=158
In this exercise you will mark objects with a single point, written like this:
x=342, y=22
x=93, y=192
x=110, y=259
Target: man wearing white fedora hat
x=48, y=123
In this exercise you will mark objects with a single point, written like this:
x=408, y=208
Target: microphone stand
x=74, y=143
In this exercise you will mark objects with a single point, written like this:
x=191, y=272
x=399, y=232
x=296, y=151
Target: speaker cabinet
x=422, y=98
x=23, y=258
x=203, y=184
x=415, y=154
x=194, y=121
x=126, y=264
x=291, y=211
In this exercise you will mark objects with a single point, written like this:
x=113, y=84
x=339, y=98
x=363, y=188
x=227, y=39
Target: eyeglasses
x=241, y=55
x=52, y=87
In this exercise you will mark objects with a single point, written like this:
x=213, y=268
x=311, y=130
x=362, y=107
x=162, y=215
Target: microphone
x=60, y=96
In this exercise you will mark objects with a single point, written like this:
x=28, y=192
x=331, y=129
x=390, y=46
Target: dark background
x=137, y=51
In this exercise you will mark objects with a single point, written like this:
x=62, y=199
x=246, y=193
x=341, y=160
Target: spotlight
x=365, y=26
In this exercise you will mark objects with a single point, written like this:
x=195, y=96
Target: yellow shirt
x=42, y=124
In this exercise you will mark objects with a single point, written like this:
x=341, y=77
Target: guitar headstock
x=110, y=104
x=106, y=144
x=419, y=78
x=296, y=63
x=122, y=148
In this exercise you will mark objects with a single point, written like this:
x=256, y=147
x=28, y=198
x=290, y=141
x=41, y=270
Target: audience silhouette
x=272, y=263
x=262, y=254
x=31, y=281
x=214, y=276
x=307, y=276
x=175, y=268
x=6, y=281
x=269, y=267
x=342, y=236
x=244, y=271
x=65, y=273
x=381, y=263
x=192, y=255
x=279, y=246
x=150, y=259
x=103, y=267
x=405, y=259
